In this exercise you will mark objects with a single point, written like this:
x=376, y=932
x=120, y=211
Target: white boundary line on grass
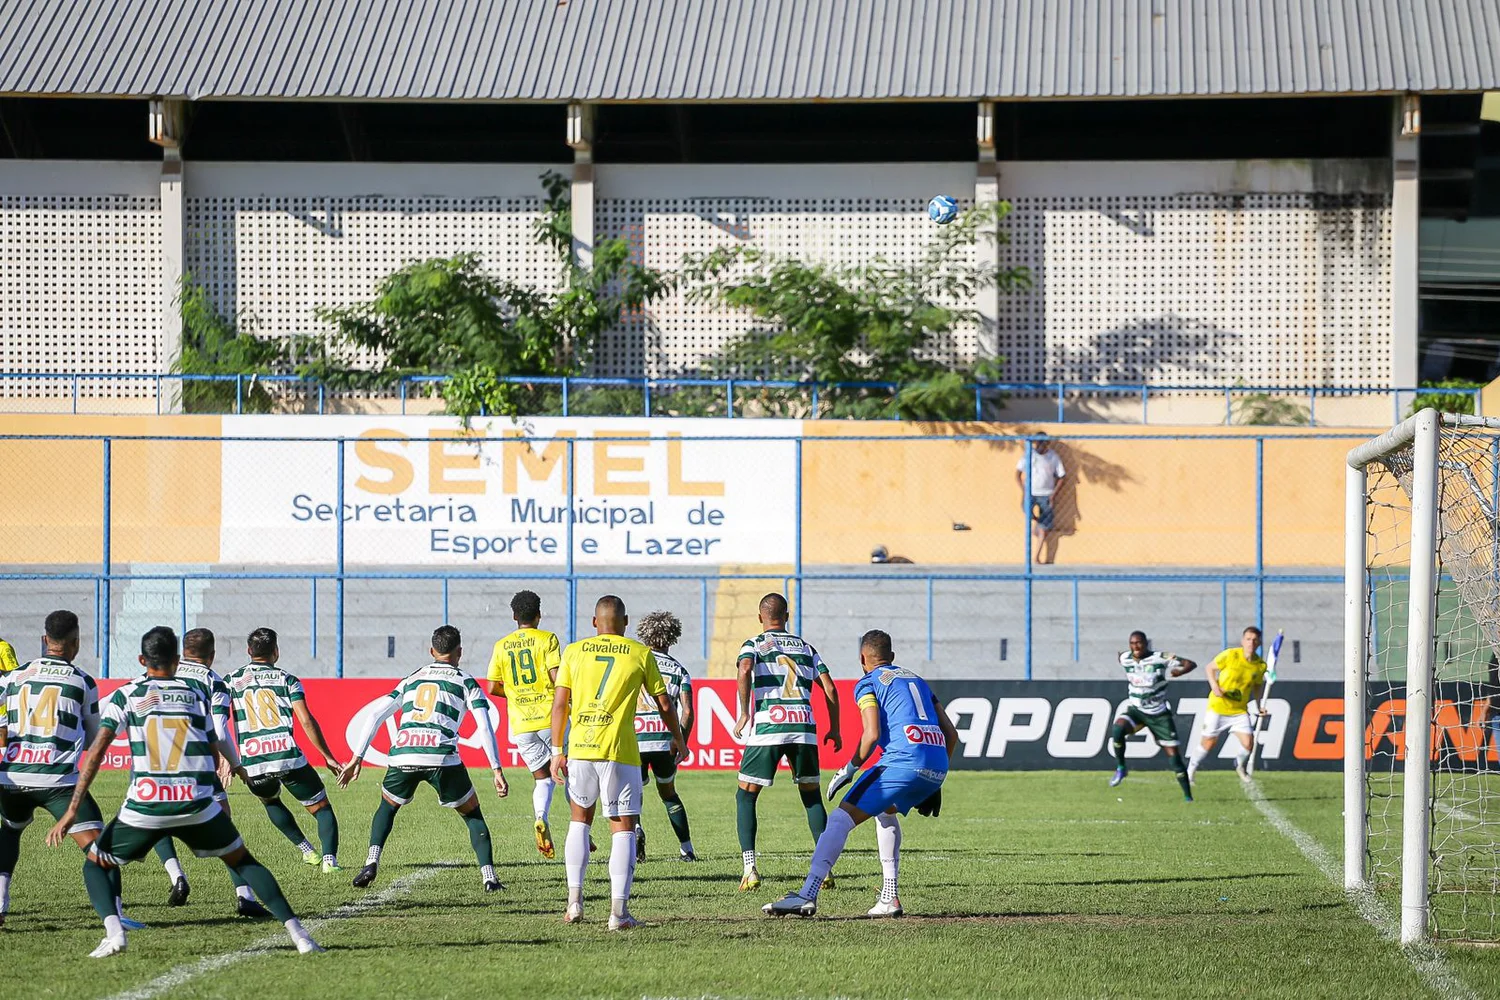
x=1427, y=960
x=186, y=973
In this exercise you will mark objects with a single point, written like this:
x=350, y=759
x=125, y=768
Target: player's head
x=660, y=630
x=261, y=645
x=447, y=645
x=773, y=611
x=526, y=608
x=198, y=645
x=1139, y=644
x=609, y=616
x=875, y=649
x=61, y=637
x=1250, y=640
x=159, y=652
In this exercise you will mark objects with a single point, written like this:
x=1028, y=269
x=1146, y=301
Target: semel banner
x=1015, y=725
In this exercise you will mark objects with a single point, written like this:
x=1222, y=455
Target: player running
x=196, y=670
x=49, y=714
x=1235, y=678
x=1146, y=673
x=432, y=702
x=660, y=630
x=523, y=671
x=901, y=716
x=777, y=671
x=597, y=690
x=266, y=700
x=172, y=791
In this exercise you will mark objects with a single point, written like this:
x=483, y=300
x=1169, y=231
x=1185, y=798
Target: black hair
x=62, y=626
x=526, y=607
x=877, y=642
x=261, y=643
x=1144, y=638
x=198, y=642
x=774, y=606
x=1252, y=628
x=445, y=640
x=159, y=647
x=609, y=605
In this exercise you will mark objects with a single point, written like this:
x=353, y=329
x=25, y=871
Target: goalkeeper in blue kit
x=902, y=717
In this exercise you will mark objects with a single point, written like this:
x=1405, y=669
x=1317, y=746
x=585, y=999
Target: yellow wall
x=165, y=496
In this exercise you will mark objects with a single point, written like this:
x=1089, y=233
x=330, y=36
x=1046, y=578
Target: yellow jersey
x=523, y=661
x=1239, y=676
x=7, y=658
x=606, y=675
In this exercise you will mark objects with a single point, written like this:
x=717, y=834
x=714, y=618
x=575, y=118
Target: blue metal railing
x=734, y=390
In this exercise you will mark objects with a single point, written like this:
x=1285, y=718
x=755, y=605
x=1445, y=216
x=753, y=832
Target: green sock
x=479, y=838
x=1182, y=775
x=263, y=882
x=236, y=880
x=1117, y=741
x=283, y=820
x=380, y=826
x=817, y=815
x=744, y=818
x=101, y=889
x=328, y=831
x=10, y=849
x=677, y=816
x=165, y=850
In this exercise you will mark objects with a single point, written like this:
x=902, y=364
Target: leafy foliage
x=1262, y=409
x=213, y=344
x=1446, y=402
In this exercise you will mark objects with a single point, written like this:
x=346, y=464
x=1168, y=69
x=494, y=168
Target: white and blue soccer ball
x=943, y=209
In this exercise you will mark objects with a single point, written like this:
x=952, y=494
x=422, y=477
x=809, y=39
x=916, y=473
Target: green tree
x=214, y=344
x=874, y=321
x=1446, y=402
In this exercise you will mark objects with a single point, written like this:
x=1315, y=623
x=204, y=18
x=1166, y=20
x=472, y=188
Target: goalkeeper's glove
x=843, y=777
x=932, y=805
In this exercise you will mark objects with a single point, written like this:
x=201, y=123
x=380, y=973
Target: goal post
x=1421, y=624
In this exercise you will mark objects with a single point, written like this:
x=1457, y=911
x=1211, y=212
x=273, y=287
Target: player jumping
x=173, y=746
x=266, y=700
x=523, y=671
x=432, y=702
x=1235, y=678
x=598, y=686
x=900, y=715
x=777, y=671
x=660, y=630
x=1146, y=673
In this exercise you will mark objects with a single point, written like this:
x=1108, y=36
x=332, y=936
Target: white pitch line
x=184, y=974
x=1427, y=960
x=1462, y=815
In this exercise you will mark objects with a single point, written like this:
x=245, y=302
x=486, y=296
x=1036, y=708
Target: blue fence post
x=239, y=393
x=401, y=388
x=1026, y=543
x=1228, y=407
x=75, y=395
x=572, y=582
x=815, y=401
x=1260, y=532
x=797, y=461
x=320, y=397
x=1075, y=619
x=703, y=614
x=565, y=384
x=1224, y=614
x=729, y=396
x=1145, y=402
x=929, y=619
x=313, y=630
x=978, y=402
x=445, y=600
x=96, y=618
x=1312, y=406
x=646, y=396
x=182, y=600
x=158, y=395
x=1060, y=413
x=108, y=576
x=338, y=591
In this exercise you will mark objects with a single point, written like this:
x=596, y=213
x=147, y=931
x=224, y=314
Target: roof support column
x=987, y=192
x=166, y=125
x=1405, y=223
x=581, y=140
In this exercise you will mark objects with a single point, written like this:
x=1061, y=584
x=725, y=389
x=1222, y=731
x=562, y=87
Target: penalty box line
x=1425, y=959
x=186, y=973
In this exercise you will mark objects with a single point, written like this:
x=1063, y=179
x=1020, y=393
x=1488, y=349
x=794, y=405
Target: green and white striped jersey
x=51, y=713
x=1147, y=680
x=214, y=691
x=263, y=695
x=651, y=732
x=167, y=723
x=786, y=667
x=433, y=702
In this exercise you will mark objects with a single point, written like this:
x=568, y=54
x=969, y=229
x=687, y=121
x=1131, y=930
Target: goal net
x=1422, y=627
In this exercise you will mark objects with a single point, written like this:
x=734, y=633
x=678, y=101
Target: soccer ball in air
x=943, y=209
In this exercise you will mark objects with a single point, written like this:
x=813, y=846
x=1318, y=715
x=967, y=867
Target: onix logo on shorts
x=800, y=715
x=260, y=747
x=164, y=789
x=931, y=736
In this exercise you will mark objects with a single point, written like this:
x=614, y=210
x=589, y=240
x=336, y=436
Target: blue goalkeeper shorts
x=881, y=789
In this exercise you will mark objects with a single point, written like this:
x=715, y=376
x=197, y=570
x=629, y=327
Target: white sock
x=1195, y=757
x=830, y=846
x=113, y=930
x=4, y=893
x=687, y=847
x=244, y=892
x=305, y=847
x=329, y=859
x=174, y=869
x=576, y=859
x=295, y=929
x=749, y=859
x=373, y=858
x=487, y=874
x=541, y=798
x=888, y=839
x=1242, y=758
x=621, y=870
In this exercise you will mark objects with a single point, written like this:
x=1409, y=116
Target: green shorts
x=303, y=783
x=451, y=783
x=662, y=762
x=758, y=766
x=121, y=843
x=19, y=805
x=1163, y=726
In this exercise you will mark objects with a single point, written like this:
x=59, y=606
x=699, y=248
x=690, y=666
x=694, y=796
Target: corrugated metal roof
x=743, y=50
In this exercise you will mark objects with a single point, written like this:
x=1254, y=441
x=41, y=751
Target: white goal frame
x=1420, y=432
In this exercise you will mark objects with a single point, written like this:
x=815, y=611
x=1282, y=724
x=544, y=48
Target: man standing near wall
x=1046, y=472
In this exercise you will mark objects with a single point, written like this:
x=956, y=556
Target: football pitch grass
x=1030, y=884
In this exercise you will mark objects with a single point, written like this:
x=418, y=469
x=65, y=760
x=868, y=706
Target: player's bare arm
x=1213, y=680
x=1260, y=699
x=669, y=716
x=495, y=689
x=560, y=701
x=485, y=730
x=831, y=698
x=950, y=734
x=869, y=739
x=315, y=736
x=88, y=769
x=384, y=709
x=744, y=678
x=1184, y=667
x=685, y=715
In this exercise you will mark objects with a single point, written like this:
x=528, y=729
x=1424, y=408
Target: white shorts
x=535, y=749
x=615, y=786
x=1214, y=724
